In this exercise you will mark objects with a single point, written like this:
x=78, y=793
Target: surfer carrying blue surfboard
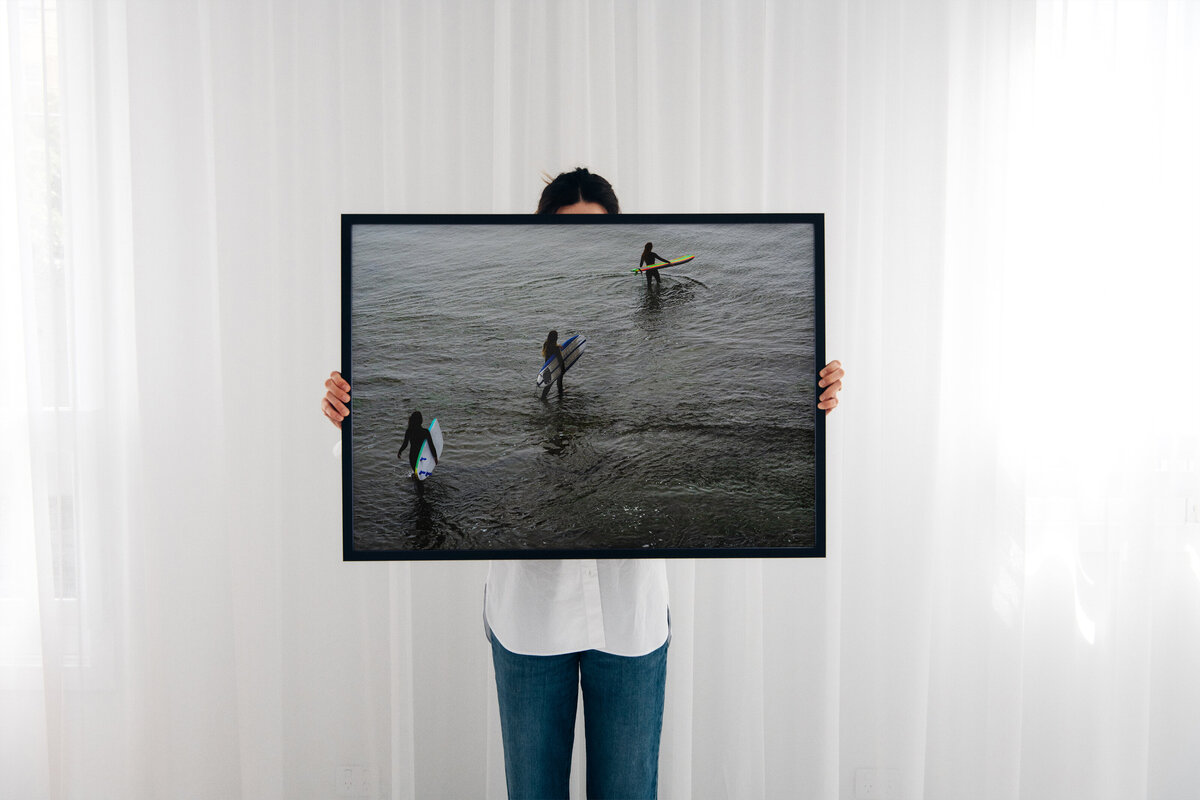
x=650, y=257
x=550, y=349
x=416, y=435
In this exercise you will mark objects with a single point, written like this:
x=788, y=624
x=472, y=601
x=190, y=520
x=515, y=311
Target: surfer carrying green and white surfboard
x=417, y=435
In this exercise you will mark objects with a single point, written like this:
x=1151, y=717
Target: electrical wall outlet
x=876, y=784
x=352, y=780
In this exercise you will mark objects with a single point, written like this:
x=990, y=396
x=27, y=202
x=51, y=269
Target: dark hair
x=414, y=420
x=575, y=186
x=551, y=340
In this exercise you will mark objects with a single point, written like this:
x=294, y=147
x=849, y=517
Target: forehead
x=582, y=207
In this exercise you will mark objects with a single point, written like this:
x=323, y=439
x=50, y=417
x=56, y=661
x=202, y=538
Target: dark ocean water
x=688, y=422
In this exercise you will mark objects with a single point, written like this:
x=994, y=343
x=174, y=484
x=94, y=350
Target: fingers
x=335, y=406
x=828, y=400
x=831, y=380
x=832, y=372
x=333, y=414
x=337, y=395
x=337, y=387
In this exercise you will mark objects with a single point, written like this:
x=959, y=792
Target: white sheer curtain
x=1011, y=603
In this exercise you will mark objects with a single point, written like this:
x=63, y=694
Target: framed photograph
x=599, y=386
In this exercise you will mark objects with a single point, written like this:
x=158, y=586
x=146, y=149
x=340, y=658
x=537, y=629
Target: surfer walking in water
x=649, y=257
x=416, y=435
x=550, y=349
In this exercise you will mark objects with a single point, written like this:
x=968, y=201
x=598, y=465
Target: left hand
x=831, y=382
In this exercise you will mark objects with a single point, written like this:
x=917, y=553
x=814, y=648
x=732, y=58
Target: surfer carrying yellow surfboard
x=649, y=257
x=550, y=349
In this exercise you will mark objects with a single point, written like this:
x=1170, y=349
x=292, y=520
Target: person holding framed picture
x=557, y=626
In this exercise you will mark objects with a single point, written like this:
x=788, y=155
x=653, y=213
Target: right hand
x=337, y=395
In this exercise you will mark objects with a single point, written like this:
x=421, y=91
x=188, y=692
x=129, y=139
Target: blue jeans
x=622, y=718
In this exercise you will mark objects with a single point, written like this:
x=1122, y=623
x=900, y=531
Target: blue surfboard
x=572, y=348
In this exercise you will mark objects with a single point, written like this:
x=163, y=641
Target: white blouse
x=544, y=608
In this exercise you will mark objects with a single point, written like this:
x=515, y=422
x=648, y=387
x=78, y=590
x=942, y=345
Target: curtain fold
x=1010, y=607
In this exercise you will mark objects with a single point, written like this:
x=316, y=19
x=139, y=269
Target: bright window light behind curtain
x=1011, y=605
x=1101, y=293
x=68, y=427
x=1070, y=404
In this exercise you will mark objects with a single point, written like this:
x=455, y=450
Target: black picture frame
x=388, y=258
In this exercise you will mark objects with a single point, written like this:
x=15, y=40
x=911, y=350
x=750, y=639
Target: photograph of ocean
x=687, y=423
